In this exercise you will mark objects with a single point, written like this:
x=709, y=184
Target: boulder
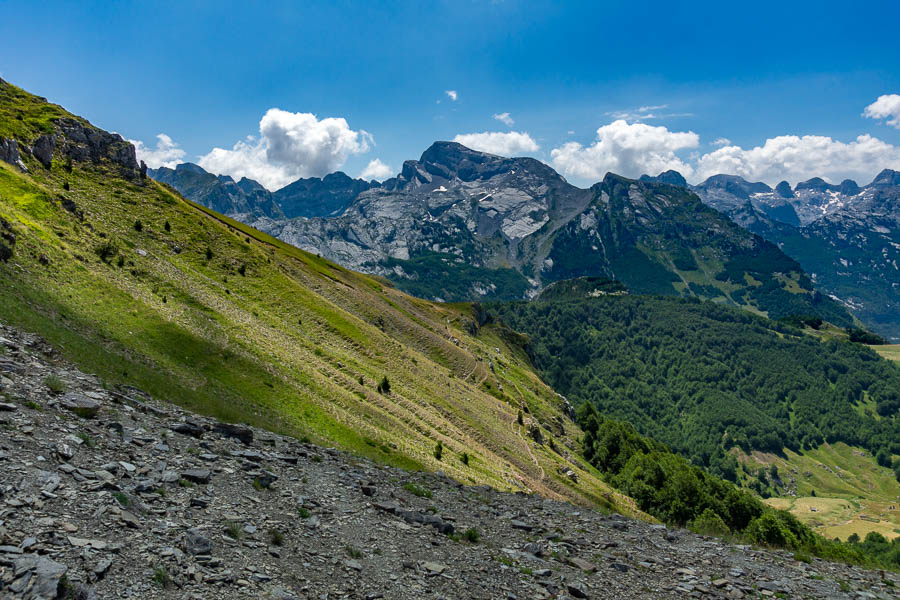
x=36, y=577
x=194, y=543
x=238, y=432
x=43, y=149
x=81, y=405
x=197, y=475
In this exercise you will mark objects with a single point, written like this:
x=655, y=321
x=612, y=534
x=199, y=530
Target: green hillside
x=134, y=283
x=835, y=489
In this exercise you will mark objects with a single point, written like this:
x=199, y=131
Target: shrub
x=167, y=227
x=709, y=523
x=242, y=269
x=471, y=535
x=417, y=490
x=55, y=384
x=88, y=440
x=233, y=530
x=384, y=386
x=106, y=251
x=303, y=513
x=138, y=226
x=121, y=498
x=161, y=577
x=209, y=254
x=770, y=530
x=464, y=458
x=439, y=450
x=276, y=538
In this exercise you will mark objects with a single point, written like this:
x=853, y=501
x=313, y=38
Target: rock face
x=845, y=236
x=116, y=525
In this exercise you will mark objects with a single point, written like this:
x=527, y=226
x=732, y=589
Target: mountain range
x=459, y=224
x=845, y=236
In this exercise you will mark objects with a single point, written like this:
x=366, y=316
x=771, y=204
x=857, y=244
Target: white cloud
x=290, y=146
x=166, y=154
x=797, y=158
x=497, y=142
x=722, y=141
x=376, y=170
x=452, y=95
x=645, y=113
x=504, y=118
x=886, y=107
x=626, y=149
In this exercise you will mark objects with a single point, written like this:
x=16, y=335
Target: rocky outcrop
x=81, y=143
x=9, y=153
x=146, y=500
x=73, y=141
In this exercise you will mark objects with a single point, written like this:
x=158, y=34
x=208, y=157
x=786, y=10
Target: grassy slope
x=848, y=485
x=295, y=345
x=889, y=352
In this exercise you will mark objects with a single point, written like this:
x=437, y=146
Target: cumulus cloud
x=722, y=141
x=290, y=146
x=166, y=154
x=505, y=119
x=452, y=95
x=797, y=158
x=376, y=170
x=498, y=142
x=886, y=107
x=629, y=149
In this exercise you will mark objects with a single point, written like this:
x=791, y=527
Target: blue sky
x=716, y=81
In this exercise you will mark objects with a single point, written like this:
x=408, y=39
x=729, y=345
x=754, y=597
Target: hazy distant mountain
x=247, y=199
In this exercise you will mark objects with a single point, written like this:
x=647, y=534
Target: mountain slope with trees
x=705, y=378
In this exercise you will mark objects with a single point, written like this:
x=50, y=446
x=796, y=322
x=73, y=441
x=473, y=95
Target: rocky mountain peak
x=888, y=177
x=783, y=190
x=189, y=167
x=848, y=187
x=816, y=184
x=670, y=177
x=734, y=185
